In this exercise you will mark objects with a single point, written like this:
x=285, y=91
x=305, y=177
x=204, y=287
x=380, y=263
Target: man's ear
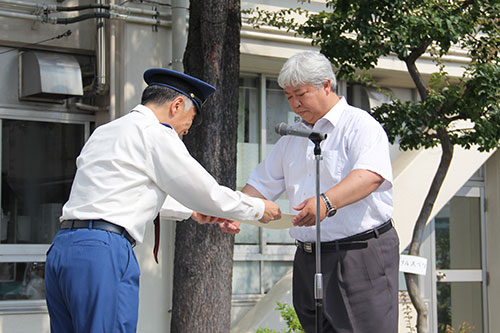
x=176, y=106
x=327, y=87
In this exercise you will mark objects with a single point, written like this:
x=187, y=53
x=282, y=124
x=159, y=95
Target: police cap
x=195, y=89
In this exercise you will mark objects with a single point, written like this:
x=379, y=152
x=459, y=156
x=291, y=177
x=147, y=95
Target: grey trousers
x=360, y=287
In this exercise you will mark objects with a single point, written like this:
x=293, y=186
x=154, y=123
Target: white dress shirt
x=355, y=140
x=129, y=166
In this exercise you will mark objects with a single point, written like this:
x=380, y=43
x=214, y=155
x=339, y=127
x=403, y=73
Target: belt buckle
x=308, y=247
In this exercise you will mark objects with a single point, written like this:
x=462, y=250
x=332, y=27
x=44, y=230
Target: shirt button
x=256, y=215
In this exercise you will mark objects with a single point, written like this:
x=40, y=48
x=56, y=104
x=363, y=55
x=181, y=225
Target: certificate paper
x=284, y=223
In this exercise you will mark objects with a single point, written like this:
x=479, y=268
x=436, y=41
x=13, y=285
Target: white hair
x=188, y=103
x=307, y=68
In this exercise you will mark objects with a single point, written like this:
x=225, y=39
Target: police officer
x=127, y=169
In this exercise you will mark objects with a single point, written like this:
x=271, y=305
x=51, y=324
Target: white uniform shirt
x=129, y=166
x=355, y=140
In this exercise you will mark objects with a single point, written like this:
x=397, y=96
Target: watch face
x=331, y=212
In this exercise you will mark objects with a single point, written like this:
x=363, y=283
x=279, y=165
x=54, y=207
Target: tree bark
x=204, y=254
x=418, y=230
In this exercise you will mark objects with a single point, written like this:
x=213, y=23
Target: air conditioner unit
x=49, y=76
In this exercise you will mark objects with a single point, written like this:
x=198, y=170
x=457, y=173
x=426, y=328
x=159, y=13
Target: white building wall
x=135, y=47
x=132, y=48
x=23, y=323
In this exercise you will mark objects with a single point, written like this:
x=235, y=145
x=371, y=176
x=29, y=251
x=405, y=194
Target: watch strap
x=330, y=209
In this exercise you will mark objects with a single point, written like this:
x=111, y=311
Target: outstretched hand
x=272, y=212
x=229, y=226
x=307, y=215
x=206, y=219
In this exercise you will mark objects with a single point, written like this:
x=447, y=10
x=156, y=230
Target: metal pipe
x=24, y=3
x=57, y=8
x=130, y=10
x=21, y=16
x=141, y=20
x=87, y=107
x=113, y=16
x=112, y=71
x=101, y=86
x=179, y=33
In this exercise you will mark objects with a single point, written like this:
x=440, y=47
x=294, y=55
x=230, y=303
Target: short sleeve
x=268, y=177
x=368, y=148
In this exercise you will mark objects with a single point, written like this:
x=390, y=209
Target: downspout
x=179, y=32
x=112, y=68
x=101, y=82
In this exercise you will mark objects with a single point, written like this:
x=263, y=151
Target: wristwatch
x=330, y=209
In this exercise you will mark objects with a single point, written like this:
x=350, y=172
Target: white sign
x=412, y=264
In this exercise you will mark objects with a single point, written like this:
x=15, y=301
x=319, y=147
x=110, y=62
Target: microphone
x=284, y=129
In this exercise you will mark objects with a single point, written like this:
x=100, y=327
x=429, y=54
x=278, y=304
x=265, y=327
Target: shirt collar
x=333, y=116
x=145, y=111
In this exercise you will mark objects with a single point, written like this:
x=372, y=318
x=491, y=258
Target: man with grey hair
x=359, y=246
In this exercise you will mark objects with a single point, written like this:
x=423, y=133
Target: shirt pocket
x=331, y=169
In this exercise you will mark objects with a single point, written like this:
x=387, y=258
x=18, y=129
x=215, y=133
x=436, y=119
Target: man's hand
x=272, y=212
x=229, y=226
x=307, y=215
x=206, y=219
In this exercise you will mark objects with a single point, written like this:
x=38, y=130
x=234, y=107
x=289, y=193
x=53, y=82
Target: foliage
x=453, y=110
x=291, y=319
x=407, y=310
x=463, y=328
x=354, y=35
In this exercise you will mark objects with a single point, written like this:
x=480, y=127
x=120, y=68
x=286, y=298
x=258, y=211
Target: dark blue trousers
x=92, y=282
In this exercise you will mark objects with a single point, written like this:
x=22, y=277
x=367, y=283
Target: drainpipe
x=179, y=32
x=101, y=81
x=112, y=68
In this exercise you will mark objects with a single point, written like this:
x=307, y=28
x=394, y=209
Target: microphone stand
x=318, y=277
x=316, y=138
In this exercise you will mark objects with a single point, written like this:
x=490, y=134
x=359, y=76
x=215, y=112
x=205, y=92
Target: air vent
x=49, y=76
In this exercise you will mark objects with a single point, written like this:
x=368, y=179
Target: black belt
x=97, y=224
x=357, y=241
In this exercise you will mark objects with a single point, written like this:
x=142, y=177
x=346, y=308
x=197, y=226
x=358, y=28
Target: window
x=458, y=249
x=262, y=256
x=455, y=286
x=37, y=168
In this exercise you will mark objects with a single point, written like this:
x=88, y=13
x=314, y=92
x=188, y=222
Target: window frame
x=262, y=251
x=20, y=253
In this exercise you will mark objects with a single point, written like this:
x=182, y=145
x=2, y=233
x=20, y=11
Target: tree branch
x=413, y=70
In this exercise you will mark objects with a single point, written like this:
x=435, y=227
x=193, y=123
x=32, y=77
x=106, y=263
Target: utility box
x=49, y=76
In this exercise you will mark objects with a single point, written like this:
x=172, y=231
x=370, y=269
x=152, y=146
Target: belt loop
x=91, y=224
x=71, y=224
x=337, y=246
x=375, y=231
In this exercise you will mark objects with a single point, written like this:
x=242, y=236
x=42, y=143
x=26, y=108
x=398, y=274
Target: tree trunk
x=418, y=230
x=203, y=254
